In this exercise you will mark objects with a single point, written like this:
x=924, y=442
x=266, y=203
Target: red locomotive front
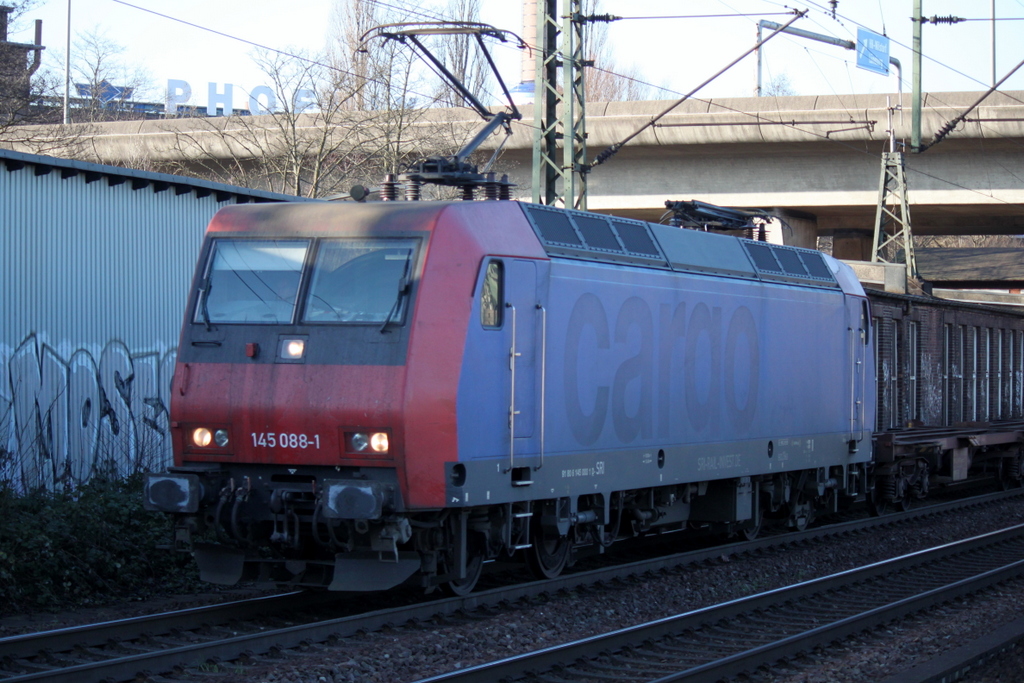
x=296, y=395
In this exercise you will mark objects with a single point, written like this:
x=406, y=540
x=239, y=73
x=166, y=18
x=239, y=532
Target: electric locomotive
x=369, y=394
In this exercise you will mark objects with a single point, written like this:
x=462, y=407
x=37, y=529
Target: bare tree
x=388, y=82
x=104, y=85
x=312, y=141
x=327, y=121
x=21, y=7
x=18, y=63
x=305, y=139
x=29, y=119
x=779, y=86
x=379, y=69
x=461, y=55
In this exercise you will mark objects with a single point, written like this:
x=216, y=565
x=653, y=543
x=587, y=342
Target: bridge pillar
x=852, y=245
x=798, y=229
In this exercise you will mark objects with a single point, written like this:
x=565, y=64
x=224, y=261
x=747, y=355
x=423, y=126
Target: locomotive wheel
x=548, y=555
x=884, y=507
x=754, y=530
x=462, y=587
x=801, y=513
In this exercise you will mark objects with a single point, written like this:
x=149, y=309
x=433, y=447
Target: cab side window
x=865, y=323
x=492, y=296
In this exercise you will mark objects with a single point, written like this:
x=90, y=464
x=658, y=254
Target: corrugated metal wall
x=85, y=263
x=94, y=276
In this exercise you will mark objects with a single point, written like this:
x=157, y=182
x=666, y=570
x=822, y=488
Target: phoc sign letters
x=262, y=99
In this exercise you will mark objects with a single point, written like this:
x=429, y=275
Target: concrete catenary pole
x=915, y=114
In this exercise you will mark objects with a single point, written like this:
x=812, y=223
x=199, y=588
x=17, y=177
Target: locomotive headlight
x=202, y=437
x=220, y=437
x=360, y=442
x=379, y=442
x=293, y=349
x=369, y=444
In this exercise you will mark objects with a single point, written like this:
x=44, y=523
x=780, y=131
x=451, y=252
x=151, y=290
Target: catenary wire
x=707, y=16
x=932, y=96
x=759, y=117
x=279, y=51
x=938, y=100
x=809, y=132
x=432, y=16
x=923, y=54
x=710, y=102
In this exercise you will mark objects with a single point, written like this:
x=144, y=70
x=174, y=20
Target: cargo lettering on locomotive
x=716, y=377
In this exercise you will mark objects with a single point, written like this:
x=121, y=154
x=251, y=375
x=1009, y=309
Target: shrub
x=91, y=546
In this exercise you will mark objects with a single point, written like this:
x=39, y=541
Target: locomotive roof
x=314, y=217
x=597, y=237
x=566, y=233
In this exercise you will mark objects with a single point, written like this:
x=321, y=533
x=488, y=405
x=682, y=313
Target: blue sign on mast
x=872, y=52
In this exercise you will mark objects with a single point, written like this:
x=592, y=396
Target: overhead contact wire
x=284, y=53
x=605, y=155
x=755, y=116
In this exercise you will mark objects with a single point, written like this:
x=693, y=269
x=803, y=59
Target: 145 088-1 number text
x=285, y=440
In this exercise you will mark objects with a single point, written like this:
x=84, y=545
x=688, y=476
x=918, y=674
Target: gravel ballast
x=411, y=652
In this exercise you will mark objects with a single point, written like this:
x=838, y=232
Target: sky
x=674, y=51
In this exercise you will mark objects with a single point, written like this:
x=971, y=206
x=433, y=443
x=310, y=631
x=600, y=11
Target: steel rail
x=747, y=658
x=956, y=664
x=88, y=635
x=24, y=646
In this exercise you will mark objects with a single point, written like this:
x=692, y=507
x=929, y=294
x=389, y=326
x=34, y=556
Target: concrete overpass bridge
x=814, y=160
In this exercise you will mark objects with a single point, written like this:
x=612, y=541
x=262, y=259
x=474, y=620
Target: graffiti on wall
x=67, y=417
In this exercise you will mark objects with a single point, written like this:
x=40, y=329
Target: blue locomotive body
x=640, y=355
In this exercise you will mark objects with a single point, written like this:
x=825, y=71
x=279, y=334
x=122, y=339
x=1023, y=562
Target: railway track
x=964, y=662
x=742, y=635
x=159, y=643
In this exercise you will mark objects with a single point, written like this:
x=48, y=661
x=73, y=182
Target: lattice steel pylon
x=894, y=240
x=560, y=176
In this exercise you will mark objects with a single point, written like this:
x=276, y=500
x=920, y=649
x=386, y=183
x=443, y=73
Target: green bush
x=93, y=546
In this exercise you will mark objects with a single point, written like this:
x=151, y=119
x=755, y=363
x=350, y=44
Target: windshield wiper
x=403, y=289
x=205, y=289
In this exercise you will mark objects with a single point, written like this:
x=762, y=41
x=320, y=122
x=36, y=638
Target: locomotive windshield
x=252, y=281
x=350, y=281
x=359, y=281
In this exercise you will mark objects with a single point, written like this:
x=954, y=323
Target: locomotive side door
x=859, y=326
x=524, y=315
